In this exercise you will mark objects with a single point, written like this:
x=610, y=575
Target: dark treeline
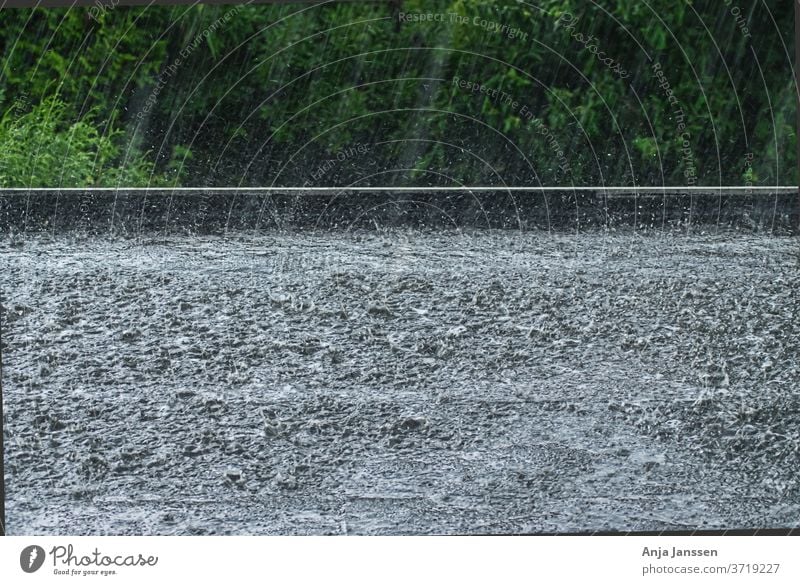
x=554, y=92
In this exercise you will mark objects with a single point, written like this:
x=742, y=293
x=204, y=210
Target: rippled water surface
x=400, y=382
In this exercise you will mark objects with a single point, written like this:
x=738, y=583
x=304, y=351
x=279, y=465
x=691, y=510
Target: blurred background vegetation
x=348, y=93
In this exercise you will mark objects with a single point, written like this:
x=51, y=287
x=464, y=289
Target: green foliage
x=263, y=92
x=90, y=63
x=646, y=145
x=43, y=148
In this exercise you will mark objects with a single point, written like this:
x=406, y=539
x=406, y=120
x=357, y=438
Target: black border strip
x=736, y=532
x=115, y=3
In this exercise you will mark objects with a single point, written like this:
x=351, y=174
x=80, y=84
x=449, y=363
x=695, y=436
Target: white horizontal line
x=481, y=188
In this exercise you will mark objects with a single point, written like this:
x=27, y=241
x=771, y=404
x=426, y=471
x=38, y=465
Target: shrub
x=40, y=146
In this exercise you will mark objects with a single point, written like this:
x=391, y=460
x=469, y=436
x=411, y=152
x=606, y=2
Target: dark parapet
x=127, y=212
